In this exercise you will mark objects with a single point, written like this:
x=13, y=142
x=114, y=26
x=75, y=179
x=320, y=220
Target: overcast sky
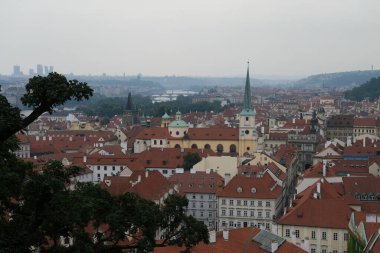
x=190, y=37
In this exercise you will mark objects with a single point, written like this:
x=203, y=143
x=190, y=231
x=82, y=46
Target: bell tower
x=247, y=129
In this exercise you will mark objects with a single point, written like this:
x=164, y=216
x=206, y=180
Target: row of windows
x=105, y=167
x=201, y=205
x=245, y=213
x=155, y=142
x=335, y=236
x=240, y=224
x=210, y=196
x=364, y=131
x=245, y=202
x=202, y=214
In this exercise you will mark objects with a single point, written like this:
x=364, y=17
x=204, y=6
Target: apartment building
x=249, y=202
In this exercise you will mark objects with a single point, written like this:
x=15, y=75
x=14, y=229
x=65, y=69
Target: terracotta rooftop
x=199, y=182
x=239, y=240
x=251, y=187
x=330, y=210
x=364, y=122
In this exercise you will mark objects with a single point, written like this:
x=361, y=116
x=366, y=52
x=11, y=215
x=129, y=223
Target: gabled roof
x=153, y=187
x=364, y=122
x=329, y=211
x=215, y=133
x=239, y=240
x=253, y=188
x=150, y=185
x=199, y=182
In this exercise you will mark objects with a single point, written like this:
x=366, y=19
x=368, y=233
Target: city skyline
x=191, y=38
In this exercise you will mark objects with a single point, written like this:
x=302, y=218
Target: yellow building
x=240, y=141
x=317, y=219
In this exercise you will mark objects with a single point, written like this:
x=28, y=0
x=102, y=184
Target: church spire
x=247, y=91
x=247, y=103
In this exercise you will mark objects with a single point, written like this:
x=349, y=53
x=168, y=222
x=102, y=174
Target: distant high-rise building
x=51, y=69
x=40, y=70
x=31, y=72
x=16, y=70
x=46, y=70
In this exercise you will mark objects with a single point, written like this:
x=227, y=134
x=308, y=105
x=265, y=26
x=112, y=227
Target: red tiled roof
x=265, y=188
x=276, y=171
x=286, y=153
x=364, y=122
x=353, y=185
x=329, y=211
x=153, y=187
x=215, y=133
x=278, y=136
x=199, y=182
x=240, y=240
x=167, y=157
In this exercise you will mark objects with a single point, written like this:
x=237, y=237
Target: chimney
x=139, y=179
x=274, y=228
x=319, y=189
x=306, y=244
x=227, y=178
x=294, y=121
x=212, y=236
x=70, y=138
x=293, y=236
x=37, y=138
x=84, y=159
x=44, y=138
x=146, y=174
x=35, y=157
x=108, y=182
x=50, y=138
x=364, y=142
x=226, y=234
x=262, y=130
x=274, y=246
x=284, y=210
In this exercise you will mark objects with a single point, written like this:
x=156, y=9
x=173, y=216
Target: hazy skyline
x=192, y=37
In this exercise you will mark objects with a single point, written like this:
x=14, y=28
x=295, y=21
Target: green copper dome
x=165, y=116
x=178, y=123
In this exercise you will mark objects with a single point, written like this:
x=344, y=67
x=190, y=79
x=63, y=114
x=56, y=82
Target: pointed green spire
x=247, y=107
x=247, y=92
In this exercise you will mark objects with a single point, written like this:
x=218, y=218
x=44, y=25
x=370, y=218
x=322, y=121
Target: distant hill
x=198, y=83
x=338, y=80
x=370, y=89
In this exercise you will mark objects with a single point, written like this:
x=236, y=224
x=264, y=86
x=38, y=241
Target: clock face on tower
x=246, y=131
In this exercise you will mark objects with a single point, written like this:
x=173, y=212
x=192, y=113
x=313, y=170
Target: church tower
x=247, y=129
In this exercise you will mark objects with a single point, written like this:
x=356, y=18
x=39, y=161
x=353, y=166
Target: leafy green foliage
x=38, y=209
x=190, y=160
x=43, y=94
x=53, y=90
x=370, y=89
x=109, y=107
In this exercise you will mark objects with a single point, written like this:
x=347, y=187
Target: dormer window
x=253, y=190
x=239, y=189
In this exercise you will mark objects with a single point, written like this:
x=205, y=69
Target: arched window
x=207, y=146
x=177, y=146
x=219, y=148
x=232, y=148
x=194, y=146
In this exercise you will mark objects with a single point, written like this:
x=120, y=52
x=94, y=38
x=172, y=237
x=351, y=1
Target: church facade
x=240, y=141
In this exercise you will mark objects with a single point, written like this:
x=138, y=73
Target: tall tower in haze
x=247, y=129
